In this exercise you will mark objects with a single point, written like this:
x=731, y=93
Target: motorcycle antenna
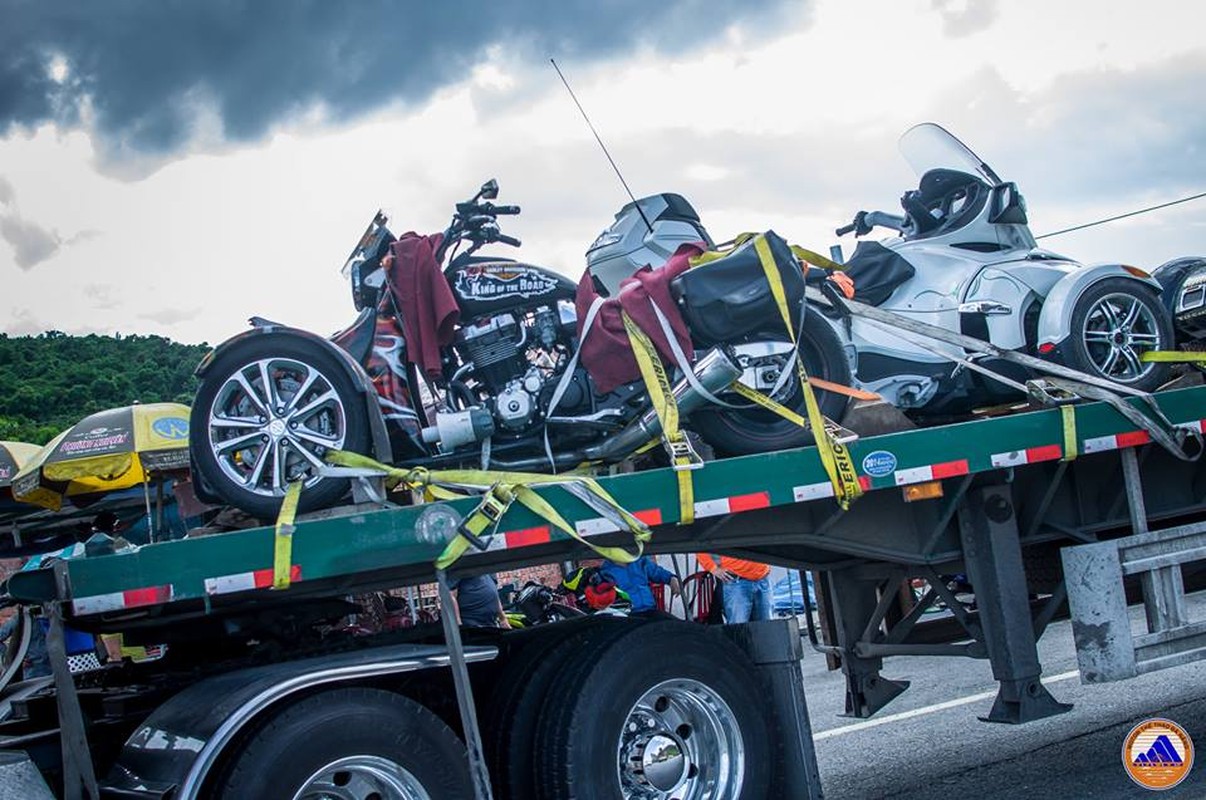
x=610, y=160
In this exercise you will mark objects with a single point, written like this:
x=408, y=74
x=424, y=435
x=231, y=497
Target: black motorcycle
x=505, y=392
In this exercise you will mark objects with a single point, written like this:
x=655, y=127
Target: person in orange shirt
x=747, y=590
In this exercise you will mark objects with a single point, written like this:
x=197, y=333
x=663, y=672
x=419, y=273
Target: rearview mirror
x=489, y=190
x=1008, y=205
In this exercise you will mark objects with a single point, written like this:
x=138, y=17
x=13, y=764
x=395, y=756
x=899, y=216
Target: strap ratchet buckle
x=682, y=454
x=491, y=508
x=1046, y=394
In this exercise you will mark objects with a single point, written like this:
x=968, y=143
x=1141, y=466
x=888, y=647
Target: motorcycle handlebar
x=511, y=240
x=505, y=209
x=864, y=221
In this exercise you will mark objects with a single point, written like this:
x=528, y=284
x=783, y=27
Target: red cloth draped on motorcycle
x=429, y=309
x=605, y=350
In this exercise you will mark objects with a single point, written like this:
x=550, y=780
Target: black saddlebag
x=728, y=295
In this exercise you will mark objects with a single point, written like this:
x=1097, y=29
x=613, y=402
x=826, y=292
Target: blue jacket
x=635, y=578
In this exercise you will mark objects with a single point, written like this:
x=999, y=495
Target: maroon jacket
x=606, y=351
x=429, y=309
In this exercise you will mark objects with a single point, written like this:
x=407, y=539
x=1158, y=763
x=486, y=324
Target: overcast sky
x=174, y=168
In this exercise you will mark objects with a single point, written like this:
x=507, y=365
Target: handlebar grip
x=845, y=229
x=506, y=209
x=511, y=240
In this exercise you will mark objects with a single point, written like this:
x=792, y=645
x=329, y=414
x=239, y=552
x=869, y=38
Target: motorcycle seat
x=357, y=338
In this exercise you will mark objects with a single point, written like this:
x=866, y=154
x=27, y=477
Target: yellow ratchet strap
x=1071, y=441
x=683, y=457
x=1174, y=356
x=499, y=490
x=835, y=458
x=282, y=539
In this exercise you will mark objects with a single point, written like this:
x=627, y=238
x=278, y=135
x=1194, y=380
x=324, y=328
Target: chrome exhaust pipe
x=715, y=372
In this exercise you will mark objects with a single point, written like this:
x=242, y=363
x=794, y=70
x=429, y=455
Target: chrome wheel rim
x=1117, y=331
x=680, y=741
x=362, y=778
x=272, y=421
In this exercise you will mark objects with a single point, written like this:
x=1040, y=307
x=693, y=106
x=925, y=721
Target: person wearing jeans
x=746, y=589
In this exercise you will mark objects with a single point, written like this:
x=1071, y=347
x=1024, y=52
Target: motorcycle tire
x=753, y=429
x=1100, y=343
x=295, y=432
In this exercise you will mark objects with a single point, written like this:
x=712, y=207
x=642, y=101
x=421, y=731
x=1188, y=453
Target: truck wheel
x=753, y=429
x=265, y=414
x=664, y=710
x=353, y=744
x=1113, y=324
x=509, y=723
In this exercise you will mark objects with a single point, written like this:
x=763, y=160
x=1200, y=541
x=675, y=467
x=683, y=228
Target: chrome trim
x=191, y=786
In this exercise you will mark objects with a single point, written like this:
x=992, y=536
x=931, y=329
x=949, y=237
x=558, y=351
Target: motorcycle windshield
x=929, y=146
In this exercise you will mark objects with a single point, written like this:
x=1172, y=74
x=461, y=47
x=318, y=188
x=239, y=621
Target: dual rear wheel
x=606, y=708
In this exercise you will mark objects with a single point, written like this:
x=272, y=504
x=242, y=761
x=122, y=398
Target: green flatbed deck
x=362, y=547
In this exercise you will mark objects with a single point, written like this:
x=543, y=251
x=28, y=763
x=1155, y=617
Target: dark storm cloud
x=137, y=71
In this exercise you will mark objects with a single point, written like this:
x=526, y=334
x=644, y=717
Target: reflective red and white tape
x=247, y=581
x=119, y=601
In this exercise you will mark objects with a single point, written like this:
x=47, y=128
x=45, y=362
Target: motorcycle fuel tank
x=493, y=286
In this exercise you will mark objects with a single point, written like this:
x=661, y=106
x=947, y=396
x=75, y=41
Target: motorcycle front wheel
x=265, y=415
x=748, y=428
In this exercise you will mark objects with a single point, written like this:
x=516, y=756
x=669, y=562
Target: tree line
x=51, y=381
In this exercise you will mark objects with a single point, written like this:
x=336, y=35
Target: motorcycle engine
x=513, y=358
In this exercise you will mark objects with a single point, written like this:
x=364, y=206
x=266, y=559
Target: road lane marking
x=920, y=712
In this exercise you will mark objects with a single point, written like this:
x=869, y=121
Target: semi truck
x=260, y=692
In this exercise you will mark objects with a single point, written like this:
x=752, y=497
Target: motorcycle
x=505, y=390
x=535, y=604
x=965, y=260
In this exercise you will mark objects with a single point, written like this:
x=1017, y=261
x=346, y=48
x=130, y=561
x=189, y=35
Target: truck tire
x=362, y=743
x=666, y=709
x=512, y=713
x=248, y=423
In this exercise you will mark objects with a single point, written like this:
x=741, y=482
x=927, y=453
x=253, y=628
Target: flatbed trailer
x=1006, y=501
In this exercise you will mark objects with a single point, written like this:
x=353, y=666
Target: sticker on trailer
x=879, y=464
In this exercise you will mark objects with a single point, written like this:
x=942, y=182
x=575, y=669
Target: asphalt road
x=928, y=744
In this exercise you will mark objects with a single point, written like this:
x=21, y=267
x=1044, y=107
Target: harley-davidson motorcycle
x=964, y=259
x=509, y=393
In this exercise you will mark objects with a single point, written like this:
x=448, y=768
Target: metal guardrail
x=1107, y=649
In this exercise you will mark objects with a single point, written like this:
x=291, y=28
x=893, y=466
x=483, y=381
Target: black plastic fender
x=360, y=379
x=183, y=739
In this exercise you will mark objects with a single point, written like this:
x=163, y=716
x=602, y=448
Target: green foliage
x=50, y=382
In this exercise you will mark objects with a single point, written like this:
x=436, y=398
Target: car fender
x=360, y=379
x=1055, y=319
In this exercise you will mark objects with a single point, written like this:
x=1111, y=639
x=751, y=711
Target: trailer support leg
x=854, y=606
x=464, y=692
x=993, y=553
x=775, y=648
